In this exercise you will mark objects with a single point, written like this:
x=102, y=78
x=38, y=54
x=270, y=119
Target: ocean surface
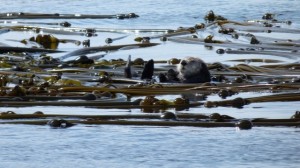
x=89, y=146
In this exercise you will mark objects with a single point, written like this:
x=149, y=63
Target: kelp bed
x=31, y=76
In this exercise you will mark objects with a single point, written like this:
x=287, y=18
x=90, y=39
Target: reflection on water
x=119, y=146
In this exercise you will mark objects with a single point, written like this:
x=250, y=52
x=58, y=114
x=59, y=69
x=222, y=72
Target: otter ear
x=127, y=69
x=148, y=70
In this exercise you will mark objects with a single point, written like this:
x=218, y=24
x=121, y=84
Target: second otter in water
x=189, y=70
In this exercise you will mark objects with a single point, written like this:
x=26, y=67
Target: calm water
x=120, y=146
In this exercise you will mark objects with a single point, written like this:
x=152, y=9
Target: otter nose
x=183, y=63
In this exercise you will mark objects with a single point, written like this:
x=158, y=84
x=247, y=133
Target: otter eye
x=183, y=62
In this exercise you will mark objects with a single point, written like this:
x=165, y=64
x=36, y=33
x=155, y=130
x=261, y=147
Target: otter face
x=189, y=66
x=193, y=70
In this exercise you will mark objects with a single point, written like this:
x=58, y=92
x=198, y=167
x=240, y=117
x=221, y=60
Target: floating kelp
x=163, y=115
x=98, y=104
x=233, y=44
x=91, y=50
x=22, y=15
x=46, y=41
x=42, y=80
x=240, y=102
x=63, y=24
x=253, y=27
x=49, y=98
x=169, y=34
x=263, y=70
x=114, y=30
x=211, y=16
x=62, y=32
x=258, y=28
x=5, y=49
x=82, y=31
x=242, y=124
x=257, y=60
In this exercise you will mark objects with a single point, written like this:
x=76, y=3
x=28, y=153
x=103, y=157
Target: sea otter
x=189, y=70
x=193, y=70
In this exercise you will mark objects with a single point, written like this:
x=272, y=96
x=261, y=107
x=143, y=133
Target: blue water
x=130, y=146
x=115, y=146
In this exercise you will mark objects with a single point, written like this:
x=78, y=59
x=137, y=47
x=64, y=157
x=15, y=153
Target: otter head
x=193, y=70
